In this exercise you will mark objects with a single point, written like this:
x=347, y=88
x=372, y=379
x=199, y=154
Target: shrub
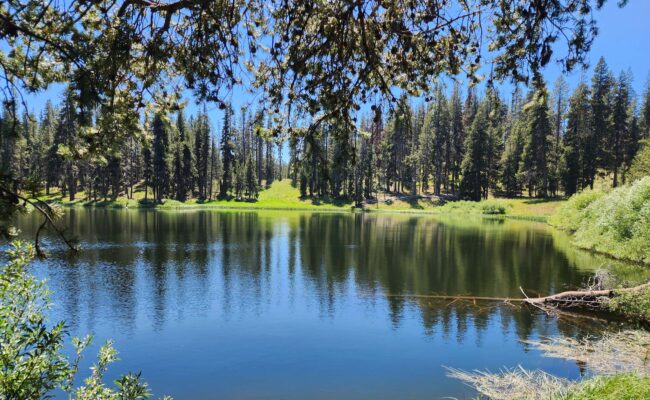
x=641, y=163
x=493, y=207
x=616, y=223
x=31, y=360
x=634, y=305
x=571, y=213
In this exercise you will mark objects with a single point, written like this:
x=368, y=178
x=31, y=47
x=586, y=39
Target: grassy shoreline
x=281, y=196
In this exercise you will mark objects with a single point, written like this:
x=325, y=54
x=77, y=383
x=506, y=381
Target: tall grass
x=616, y=223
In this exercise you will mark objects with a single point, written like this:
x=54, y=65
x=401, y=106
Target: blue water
x=245, y=305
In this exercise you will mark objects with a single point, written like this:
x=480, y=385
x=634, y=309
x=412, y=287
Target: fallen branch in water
x=553, y=304
x=593, y=299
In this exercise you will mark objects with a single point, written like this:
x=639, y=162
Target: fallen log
x=590, y=299
x=581, y=298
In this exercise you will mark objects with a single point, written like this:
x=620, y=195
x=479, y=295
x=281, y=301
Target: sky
x=623, y=39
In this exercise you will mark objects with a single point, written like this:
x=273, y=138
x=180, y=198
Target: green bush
x=641, y=163
x=31, y=360
x=633, y=305
x=493, y=207
x=616, y=223
x=571, y=213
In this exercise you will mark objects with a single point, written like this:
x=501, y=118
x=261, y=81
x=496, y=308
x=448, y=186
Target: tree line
x=540, y=143
x=543, y=143
x=170, y=156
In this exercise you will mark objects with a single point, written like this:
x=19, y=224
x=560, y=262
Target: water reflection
x=293, y=305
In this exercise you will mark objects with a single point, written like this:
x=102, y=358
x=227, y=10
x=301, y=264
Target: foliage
x=635, y=305
x=115, y=52
x=617, y=223
x=641, y=163
x=32, y=363
x=493, y=207
x=570, y=214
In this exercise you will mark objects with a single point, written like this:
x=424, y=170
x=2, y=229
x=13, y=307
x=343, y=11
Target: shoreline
x=542, y=218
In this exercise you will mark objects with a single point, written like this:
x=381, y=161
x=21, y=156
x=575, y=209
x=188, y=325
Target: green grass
x=282, y=196
x=615, y=387
x=616, y=223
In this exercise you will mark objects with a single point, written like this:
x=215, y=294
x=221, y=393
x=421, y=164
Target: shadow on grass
x=543, y=200
x=319, y=201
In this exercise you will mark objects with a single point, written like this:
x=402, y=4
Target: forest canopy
x=319, y=57
x=126, y=63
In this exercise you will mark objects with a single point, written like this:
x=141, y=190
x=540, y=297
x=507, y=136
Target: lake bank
x=281, y=196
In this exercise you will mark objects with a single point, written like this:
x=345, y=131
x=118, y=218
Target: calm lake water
x=289, y=305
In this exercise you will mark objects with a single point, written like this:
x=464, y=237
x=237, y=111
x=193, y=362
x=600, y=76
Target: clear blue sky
x=624, y=41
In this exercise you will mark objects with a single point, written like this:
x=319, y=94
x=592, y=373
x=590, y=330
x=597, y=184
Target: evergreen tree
x=559, y=108
x=161, y=147
x=534, y=167
x=457, y=134
x=496, y=132
x=182, y=160
x=60, y=155
x=147, y=167
x=578, y=171
x=251, y=179
x=596, y=152
x=511, y=159
x=47, y=128
x=10, y=138
x=202, y=154
x=621, y=123
x=440, y=140
x=227, y=154
x=644, y=124
x=474, y=183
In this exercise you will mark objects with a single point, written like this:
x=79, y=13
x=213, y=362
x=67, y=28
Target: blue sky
x=624, y=41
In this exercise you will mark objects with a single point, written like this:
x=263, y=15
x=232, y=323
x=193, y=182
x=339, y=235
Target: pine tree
x=215, y=167
x=511, y=159
x=227, y=154
x=578, y=170
x=474, y=182
x=147, y=167
x=457, y=133
x=440, y=139
x=558, y=115
x=10, y=139
x=597, y=154
x=496, y=128
x=60, y=154
x=47, y=128
x=644, y=123
x=251, y=179
x=425, y=146
x=202, y=153
x=161, y=146
x=534, y=167
x=621, y=120
x=182, y=180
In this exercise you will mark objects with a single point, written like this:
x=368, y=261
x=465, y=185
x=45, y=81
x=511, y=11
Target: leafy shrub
x=616, y=223
x=570, y=214
x=633, y=305
x=31, y=360
x=641, y=163
x=494, y=207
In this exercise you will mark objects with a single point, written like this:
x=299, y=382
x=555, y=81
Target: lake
x=291, y=305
